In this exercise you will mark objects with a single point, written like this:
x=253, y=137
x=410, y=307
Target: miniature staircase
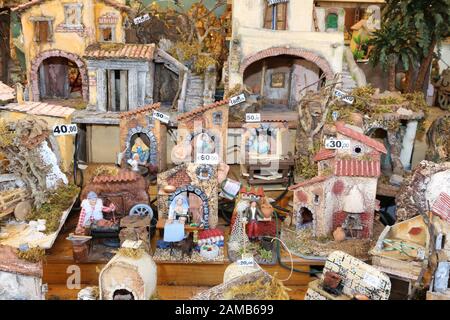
x=348, y=83
x=194, y=92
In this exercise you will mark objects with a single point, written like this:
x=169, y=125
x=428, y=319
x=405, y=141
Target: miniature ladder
x=9, y=199
x=316, y=24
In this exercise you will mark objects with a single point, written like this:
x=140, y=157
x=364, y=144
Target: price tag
x=207, y=158
x=161, y=116
x=246, y=262
x=236, y=100
x=253, y=117
x=344, y=96
x=337, y=144
x=64, y=129
x=141, y=19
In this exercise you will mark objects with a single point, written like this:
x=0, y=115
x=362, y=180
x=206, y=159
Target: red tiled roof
x=140, y=110
x=6, y=92
x=40, y=109
x=308, y=182
x=357, y=168
x=201, y=110
x=341, y=128
x=120, y=51
x=123, y=176
x=324, y=154
x=112, y=3
x=441, y=206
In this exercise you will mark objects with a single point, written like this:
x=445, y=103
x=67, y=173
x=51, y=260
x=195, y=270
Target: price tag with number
x=64, y=129
x=161, y=116
x=246, y=262
x=207, y=158
x=337, y=144
x=343, y=96
x=236, y=100
x=253, y=117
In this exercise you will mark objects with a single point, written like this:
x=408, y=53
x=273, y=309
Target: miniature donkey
x=186, y=246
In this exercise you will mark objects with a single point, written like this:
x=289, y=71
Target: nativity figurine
x=92, y=214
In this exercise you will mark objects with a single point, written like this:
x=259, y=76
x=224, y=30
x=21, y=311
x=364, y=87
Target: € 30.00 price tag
x=253, y=117
x=246, y=262
x=236, y=100
x=337, y=144
x=161, y=116
x=65, y=129
x=207, y=158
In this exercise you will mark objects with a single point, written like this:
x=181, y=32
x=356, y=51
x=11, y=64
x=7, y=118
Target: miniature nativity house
x=19, y=279
x=142, y=135
x=275, y=50
x=193, y=188
x=343, y=193
x=202, y=131
x=128, y=278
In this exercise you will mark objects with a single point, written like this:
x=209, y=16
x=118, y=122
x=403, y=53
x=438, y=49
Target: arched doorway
x=142, y=141
x=305, y=218
x=58, y=74
x=123, y=294
x=381, y=135
x=192, y=197
x=278, y=75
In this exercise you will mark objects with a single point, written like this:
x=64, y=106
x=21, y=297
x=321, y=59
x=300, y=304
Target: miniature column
x=101, y=90
x=408, y=144
x=132, y=89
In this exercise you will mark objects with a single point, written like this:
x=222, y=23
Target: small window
x=106, y=34
x=275, y=16
x=316, y=199
x=43, y=29
x=332, y=21
x=357, y=149
x=72, y=14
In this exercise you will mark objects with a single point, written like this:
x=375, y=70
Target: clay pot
x=339, y=234
x=22, y=210
x=267, y=210
x=361, y=297
x=169, y=189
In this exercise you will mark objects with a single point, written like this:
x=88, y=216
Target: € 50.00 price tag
x=207, y=158
x=253, y=117
x=337, y=144
x=64, y=129
x=161, y=116
x=236, y=100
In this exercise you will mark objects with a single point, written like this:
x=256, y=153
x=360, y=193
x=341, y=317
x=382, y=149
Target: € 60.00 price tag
x=64, y=129
x=337, y=144
x=236, y=100
x=246, y=262
x=161, y=116
x=253, y=117
x=207, y=158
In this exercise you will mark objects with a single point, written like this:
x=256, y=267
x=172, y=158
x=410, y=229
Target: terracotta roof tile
x=323, y=154
x=120, y=50
x=146, y=108
x=200, y=110
x=308, y=182
x=357, y=168
x=441, y=206
x=10, y=262
x=40, y=109
x=112, y=3
x=6, y=93
x=123, y=176
x=341, y=128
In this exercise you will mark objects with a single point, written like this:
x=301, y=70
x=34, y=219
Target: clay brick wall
x=366, y=221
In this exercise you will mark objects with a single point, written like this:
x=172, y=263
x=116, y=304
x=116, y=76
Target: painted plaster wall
x=99, y=137
x=65, y=143
x=67, y=41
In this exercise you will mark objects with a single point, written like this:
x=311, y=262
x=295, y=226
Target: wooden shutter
x=268, y=16
x=43, y=31
x=281, y=16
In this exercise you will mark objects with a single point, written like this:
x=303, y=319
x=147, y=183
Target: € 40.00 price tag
x=161, y=116
x=253, y=117
x=337, y=144
x=236, y=100
x=207, y=158
x=64, y=129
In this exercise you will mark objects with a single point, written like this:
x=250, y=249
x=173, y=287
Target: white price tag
x=236, y=100
x=344, y=96
x=337, y=144
x=141, y=19
x=246, y=262
x=253, y=117
x=161, y=116
x=207, y=158
x=64, y=129
x=372, y=280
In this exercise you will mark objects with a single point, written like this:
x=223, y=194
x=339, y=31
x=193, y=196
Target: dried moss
x=192, y=53
x=131, y=253
x=6, y=134
x=106, y=171
x=260, y=289
x=35, y=254
x=53, y=209
x=305, y=167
